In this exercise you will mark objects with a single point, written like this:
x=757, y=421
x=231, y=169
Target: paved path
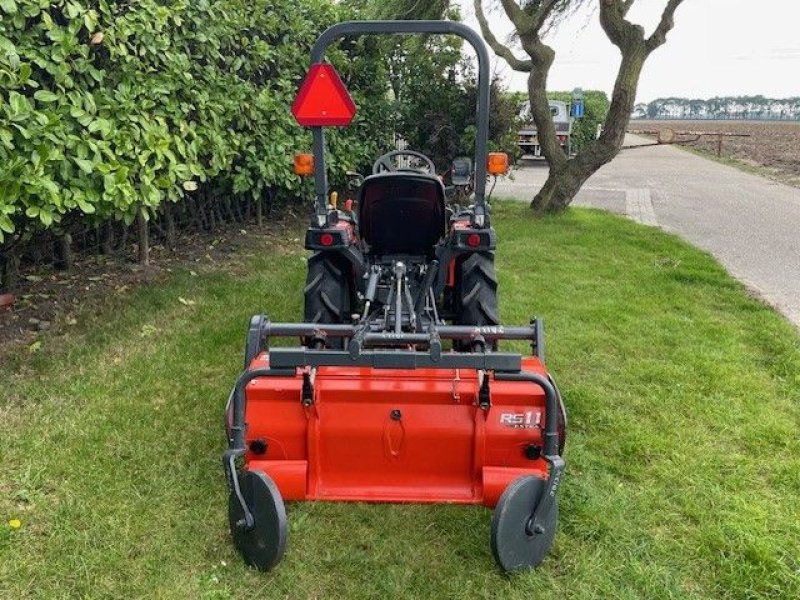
x=751, y=224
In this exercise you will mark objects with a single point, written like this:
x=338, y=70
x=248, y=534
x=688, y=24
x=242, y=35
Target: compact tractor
x=399, y=390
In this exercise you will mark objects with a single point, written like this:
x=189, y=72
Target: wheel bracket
x=484, y=394
x=536, y=524
x=307, y=393
x=229, y=465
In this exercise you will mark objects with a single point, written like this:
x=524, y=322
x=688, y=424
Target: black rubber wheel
x=476, y=291
x=262, y=546
x=328, y=292
x=477, y=301
x=513, y=547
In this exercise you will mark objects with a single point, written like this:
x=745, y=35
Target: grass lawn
x=683, y=454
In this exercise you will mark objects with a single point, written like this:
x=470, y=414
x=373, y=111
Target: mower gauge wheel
x=513, y=546
x=263, y=545
x=386, y=163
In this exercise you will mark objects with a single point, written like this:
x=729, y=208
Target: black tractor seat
x=402, y=213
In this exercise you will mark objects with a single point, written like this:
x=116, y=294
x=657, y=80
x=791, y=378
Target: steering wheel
x=385, y=163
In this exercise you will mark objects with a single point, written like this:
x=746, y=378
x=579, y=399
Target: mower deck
x=415, y=435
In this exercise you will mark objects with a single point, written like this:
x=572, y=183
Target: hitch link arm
x=372, y=286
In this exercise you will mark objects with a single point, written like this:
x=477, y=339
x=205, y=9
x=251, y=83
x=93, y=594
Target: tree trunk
x=143, y=234
x=259, y=211
x=227, y=207
x=540, y=106
x=623, y=99
x=107, y=238
x=560, y=188
x=194, y=213
x=566, y=178
x=216, y=204
x=209, y=211
x=9, y=274
x=169, y=223
x=270, y=197
x=62, y=252
x=123, y=240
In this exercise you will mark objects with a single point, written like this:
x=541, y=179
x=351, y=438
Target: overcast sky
x=717, y=48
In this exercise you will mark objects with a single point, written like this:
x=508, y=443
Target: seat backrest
x=401, y=213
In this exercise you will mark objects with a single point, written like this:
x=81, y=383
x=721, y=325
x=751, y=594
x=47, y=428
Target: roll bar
x=349, y=28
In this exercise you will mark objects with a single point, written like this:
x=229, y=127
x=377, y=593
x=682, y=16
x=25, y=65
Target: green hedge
x=106, y=107
x=596, y=104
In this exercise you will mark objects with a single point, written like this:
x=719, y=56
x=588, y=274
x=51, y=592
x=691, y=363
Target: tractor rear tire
x=477, y=293
x=328, y=292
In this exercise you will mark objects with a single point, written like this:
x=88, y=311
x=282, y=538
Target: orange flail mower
x=399, y=391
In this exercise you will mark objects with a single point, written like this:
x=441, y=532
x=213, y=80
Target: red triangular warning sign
x=323, y=100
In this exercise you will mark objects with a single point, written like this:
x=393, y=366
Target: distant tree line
x=723, y=108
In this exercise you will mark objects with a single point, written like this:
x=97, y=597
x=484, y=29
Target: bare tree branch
x=666, y=24
x=531, y=19
x=542, y=14
x=521, y=20
x=501, y=50
x=622, y=33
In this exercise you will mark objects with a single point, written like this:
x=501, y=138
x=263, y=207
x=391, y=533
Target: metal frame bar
x=288, y=358
x=447, y=332
x=409, y=27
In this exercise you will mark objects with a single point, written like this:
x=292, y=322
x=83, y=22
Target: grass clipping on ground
x=682, y=453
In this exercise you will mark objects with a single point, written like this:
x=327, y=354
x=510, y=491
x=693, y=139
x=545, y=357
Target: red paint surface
x=347, y=446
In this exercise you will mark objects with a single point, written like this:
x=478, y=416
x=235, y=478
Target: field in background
x=773, y=148
x=682, y=454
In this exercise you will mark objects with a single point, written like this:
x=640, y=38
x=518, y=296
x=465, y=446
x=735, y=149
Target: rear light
x=326, y=239
x=475, y=240
x=497, y=163
x=304, y=165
